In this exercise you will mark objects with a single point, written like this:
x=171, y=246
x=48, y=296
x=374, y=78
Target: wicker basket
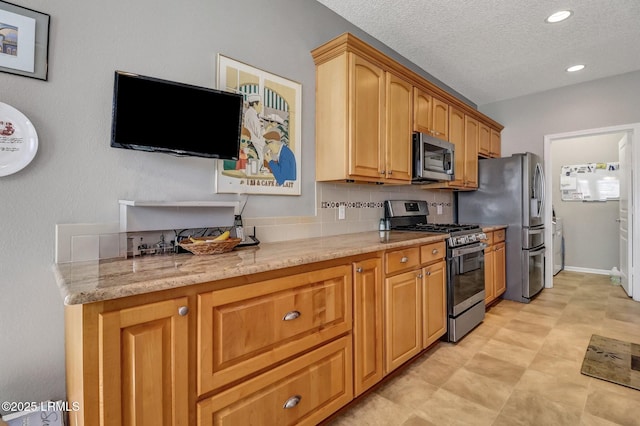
x=212, y=247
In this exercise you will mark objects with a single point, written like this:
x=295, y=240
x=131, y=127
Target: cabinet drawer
x=499, y=236
x=400, y=260
x=432, y=252
x=303, y=391
x=245, y=329
x=489, y=239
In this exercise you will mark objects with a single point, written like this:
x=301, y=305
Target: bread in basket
x=208, y=245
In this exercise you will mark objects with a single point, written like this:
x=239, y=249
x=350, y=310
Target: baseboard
x=587, y=270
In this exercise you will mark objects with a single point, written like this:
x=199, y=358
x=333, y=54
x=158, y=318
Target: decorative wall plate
x=18, y=140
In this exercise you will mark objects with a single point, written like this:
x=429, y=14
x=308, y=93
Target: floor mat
x=613, y=360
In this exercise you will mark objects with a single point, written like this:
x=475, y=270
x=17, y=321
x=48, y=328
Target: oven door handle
x=468, y=249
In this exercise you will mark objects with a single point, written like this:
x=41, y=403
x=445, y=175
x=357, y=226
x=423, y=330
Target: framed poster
x=24, y=41
x=270, y=153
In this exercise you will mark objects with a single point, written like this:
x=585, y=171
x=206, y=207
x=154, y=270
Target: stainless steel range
x=465, y=262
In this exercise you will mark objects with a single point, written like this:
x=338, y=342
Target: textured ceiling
x=492, y=50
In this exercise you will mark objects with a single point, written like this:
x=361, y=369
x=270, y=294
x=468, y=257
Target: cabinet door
x=399, y=121
x=367, y=324
x=499, y=257
x=456, y=137
x=403, y=318
x=366, y=103
x=489, y=276
x=434, y=292
x=144, y=364
x=422, y=117
x=496, y=149
x=484, y=140
x=471, y=152
x=440, y=119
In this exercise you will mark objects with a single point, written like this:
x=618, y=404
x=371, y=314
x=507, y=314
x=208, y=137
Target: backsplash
x=363, y=210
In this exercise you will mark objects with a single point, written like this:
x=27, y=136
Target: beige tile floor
x=521, y=366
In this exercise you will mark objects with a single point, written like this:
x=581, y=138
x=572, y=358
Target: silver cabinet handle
x=434, y=251
x=419, y=275
x=183, y=310
x=358, y=269
x=290, y=316
x=390, y=172
x=292, y=402
x=383, y=172
x=429, y=273
x=404, y=259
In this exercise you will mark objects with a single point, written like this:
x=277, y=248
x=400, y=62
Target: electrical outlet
x=439, y=209
x=341, y=212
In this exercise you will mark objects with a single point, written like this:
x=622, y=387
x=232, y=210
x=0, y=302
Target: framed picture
x=24, y=41
x=270, y=153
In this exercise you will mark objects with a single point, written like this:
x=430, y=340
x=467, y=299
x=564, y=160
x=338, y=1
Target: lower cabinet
x=288, y=347
x=415, y=305
x=494, y=266
x=303, y=391
x=367, y=324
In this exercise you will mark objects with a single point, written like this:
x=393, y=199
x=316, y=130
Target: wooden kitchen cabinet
x=129, y=365
x=430, y=115
x=367, y=324
x=367, y=106
x=484, y=140
x=496, y=145
x=434, y=301
x=415, y=305
x=363, y=122
x=303, y=391
x=494, y=266
x=242, y=330
x=463, y=134
x=471, y=127
x=488, y=141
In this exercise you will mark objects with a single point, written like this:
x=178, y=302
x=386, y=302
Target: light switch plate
x=341, y=212
x=439, y=209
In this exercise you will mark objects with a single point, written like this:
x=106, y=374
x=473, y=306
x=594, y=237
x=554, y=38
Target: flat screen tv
x=151, y=114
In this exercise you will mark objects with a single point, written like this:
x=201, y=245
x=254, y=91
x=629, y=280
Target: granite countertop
x=491, y=228
x=93, y=281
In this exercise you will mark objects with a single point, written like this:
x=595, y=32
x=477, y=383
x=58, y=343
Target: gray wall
x=590, y=229
x=601, y=103
x=76, y=177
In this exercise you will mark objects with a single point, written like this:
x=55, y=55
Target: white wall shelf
x=137, y=216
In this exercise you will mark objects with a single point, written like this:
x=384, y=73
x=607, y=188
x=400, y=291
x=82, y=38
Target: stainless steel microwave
x=433, y=159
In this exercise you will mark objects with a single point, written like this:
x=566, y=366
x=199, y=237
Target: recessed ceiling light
x=575, y=68
x=559, y=16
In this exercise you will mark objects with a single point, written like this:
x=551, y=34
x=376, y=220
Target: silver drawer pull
x=419, y=275
x=290, y=316
x=292, y=402
x=358, y=269
x=183, y=310
x=429, y=273
x=434, y=251
x=404, y=259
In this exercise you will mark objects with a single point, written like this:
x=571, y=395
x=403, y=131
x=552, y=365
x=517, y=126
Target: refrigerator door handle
x=543, y=188
x=537, y=252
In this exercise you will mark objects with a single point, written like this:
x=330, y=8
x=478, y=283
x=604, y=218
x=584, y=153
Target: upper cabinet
x=489, y=141
x=430, y=115
x=363, y=122
x=368, y=106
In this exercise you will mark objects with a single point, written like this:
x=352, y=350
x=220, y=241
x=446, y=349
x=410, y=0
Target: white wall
x=590, y=229
x=76, y=177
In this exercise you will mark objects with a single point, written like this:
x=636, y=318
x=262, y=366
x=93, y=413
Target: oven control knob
x=472, y=238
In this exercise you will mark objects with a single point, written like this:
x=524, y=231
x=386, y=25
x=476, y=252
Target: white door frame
x=633, y=131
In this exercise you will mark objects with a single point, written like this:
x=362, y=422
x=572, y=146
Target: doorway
x=552, y=167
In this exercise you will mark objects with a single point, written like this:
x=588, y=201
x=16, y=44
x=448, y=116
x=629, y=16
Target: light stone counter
x=491, y=228
x=85, y=282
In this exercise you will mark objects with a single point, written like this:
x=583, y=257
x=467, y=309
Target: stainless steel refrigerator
x=511, y=192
